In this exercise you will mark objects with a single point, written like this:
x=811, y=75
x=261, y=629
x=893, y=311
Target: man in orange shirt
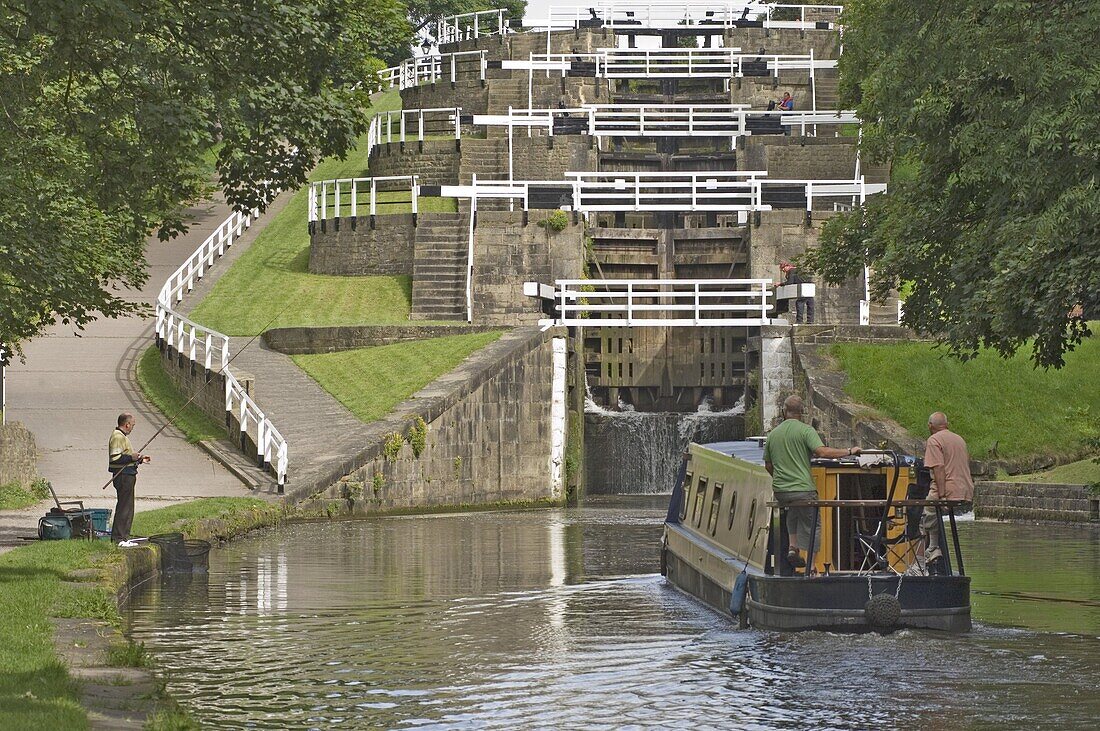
x=946, y=456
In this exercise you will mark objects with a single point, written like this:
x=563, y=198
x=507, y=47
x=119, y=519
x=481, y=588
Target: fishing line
x=203, y=386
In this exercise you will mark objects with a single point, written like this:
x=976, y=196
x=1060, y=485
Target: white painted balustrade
x=430, y=69
x=668, y=63
x=664, y=302
x=663, y=120
x=626, y=16
x=209, y=348
x=413, y=125
x=467, y=26
x=334, y=199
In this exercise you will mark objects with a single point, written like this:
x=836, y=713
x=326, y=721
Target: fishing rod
x=201, y=388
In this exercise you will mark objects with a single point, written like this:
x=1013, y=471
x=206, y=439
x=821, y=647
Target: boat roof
x=749, y=450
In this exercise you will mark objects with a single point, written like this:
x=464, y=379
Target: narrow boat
x=725, y=542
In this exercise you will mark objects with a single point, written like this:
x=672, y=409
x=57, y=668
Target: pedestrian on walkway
x=123, y=464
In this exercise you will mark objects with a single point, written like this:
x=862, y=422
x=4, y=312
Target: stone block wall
x=816, y=158
x=436, y=163
x=469, y=93
x=490, y=436
x=508, y=253
x=350, y=247
x=533, y=158
x=18, y=455
x=190, y=378
x=300, y=340
x=825, y=43
x=783, y=235
x=1035, y=502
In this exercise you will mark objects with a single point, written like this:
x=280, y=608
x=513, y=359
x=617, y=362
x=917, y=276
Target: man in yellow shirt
x=123, y=464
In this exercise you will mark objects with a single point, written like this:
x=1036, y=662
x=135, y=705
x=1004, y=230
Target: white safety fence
x=413, y=125
x=467, y=26
x=430, y=69
x=586, y=192
x=664, y=120
x=663, y=302
x=627, y=16
x=210, y=348
x=667, y=63
x=334, y=199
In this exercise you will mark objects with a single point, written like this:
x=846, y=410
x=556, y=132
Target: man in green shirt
x=787, y=454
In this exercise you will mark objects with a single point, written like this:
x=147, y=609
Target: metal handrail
x=410, y=125
x=335, y=198
x=628, y=16
x=211, y=348
x=429, y=69
x=664, y=302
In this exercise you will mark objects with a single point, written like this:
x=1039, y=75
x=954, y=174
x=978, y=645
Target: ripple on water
x=495, y=620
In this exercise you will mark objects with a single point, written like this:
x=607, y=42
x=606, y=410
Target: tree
x=987, y=110
x=109, y=108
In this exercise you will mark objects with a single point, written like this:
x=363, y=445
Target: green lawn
x=1082, y=472
x=372, y=381
x=163, y=394
x=14, y=496
x=989, y=401
x=255, y=293
x=36, y=691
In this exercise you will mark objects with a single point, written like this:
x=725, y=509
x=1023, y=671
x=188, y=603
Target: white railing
x=667, y=63
x=430, y=69
x=662, y=120
x=466, y=26
x=333, y=199
x=405, y=125
x=584, y=192
x=211, y=348
x=627, y=16
x=664, y=302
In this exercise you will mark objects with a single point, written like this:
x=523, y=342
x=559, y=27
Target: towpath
x=73, y=385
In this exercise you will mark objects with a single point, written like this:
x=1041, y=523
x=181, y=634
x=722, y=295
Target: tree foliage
x=112, y=108
x=990, y=106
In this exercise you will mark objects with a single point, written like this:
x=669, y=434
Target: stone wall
x=783, y=235
x=350, y=247
x=825, y=43
x=469, y=93
x=508, y=253
x=546, y=158
x=189, y=378
x=436, y=163
x=1034, y=501
x=299, y=340
x=18, y=455
x=797, y=158
x=490, y=436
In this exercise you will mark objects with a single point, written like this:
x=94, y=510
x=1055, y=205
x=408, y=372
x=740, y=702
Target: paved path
x=71, y=389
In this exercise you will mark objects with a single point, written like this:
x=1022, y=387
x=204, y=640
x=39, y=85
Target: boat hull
x=832, y=603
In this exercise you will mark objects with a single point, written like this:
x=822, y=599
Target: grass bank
x=370, y=382
x=14, y=496
x=50, y=579
x=275, y=271
x=1081, y=472
x=162, y=393
x=1003, y=408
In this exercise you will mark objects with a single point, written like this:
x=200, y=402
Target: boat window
x=733, y=508
x=700, y=496
x=715, y=502
x=685, y=495
x=752, y=517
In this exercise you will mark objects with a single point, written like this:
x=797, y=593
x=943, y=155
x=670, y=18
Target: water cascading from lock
x=638, y=453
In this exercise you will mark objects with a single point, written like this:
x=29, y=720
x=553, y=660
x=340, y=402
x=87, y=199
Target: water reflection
x=556, y=619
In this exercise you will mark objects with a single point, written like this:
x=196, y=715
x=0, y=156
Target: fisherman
x=123, y=464
x=947, y=458
x=787, y=454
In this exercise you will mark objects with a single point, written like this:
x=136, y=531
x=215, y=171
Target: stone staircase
x=439, y=267
x=508, y=92
x=826, y=82
x=488, y=158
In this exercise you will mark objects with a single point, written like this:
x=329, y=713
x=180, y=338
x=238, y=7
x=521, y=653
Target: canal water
x=559, y=619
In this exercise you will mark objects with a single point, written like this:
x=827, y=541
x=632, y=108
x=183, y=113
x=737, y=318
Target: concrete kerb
x=429, y=403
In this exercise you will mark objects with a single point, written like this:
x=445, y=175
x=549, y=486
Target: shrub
x=418, y=436
x=556, y=221
x=394, y=442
